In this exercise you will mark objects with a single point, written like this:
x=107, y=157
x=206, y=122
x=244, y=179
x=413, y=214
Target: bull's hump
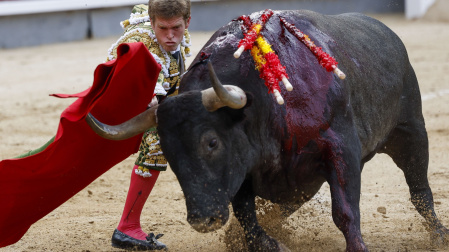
x=222, y=41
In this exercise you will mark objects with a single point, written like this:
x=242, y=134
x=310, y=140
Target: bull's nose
x=207, y=224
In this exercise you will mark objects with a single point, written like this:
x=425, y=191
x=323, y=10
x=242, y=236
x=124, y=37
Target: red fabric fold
x=32, y=187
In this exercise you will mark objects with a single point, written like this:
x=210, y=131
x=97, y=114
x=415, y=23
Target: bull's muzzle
x=208, y=223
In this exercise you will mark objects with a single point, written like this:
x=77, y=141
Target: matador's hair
x=168, y=9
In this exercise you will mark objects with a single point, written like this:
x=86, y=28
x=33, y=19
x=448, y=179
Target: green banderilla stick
x=32, y=152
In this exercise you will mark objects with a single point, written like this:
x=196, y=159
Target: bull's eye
x=213, y=143
x=210, y=145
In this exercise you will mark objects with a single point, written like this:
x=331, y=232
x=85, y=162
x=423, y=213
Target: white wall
x=8, y=8
x=417, y=8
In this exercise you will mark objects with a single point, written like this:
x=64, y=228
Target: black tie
x=175, y=55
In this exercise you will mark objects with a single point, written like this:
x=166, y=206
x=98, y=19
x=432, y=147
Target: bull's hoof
x=126, y=242
x=265, y=242
x=283, y=248
x=439, y=237
x=275, y=246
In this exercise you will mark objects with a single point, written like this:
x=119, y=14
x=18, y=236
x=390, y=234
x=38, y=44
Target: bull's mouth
x=209, y=223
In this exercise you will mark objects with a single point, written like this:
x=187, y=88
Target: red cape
x=32, y=187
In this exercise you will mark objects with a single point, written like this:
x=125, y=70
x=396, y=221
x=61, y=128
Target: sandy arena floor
x=29, y=117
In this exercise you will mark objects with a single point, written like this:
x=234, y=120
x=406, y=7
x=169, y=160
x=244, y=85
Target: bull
x=230, y=143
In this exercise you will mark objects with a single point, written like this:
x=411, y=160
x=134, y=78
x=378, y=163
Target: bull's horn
x=128, y=129
x=220, y=96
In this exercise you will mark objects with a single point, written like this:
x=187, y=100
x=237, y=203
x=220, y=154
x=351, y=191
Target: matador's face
x=170, y=31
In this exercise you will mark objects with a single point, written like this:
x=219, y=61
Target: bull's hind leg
x=408, y=147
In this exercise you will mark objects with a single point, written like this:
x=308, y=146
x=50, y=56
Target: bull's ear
x=249, y=99
x=237, y=115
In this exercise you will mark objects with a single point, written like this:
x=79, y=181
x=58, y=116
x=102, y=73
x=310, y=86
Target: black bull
x=325, y=132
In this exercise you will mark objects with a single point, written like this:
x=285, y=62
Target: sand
x=29, y=117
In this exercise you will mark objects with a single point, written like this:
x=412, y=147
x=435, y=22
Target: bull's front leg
x=245, y=211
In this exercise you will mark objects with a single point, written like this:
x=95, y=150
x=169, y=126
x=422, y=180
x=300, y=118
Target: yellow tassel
x=263, y=45
x=255, y=52
x=257, y=28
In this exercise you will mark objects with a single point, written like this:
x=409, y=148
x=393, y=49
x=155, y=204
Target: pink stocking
x=139, y=190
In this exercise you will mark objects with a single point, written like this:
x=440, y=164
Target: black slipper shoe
x=124, y=241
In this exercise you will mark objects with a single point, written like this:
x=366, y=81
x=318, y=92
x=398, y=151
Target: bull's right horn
x=222, y=95
x=128, y=129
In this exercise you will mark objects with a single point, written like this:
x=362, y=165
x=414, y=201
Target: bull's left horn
x=222, y=95
x=128, y=129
